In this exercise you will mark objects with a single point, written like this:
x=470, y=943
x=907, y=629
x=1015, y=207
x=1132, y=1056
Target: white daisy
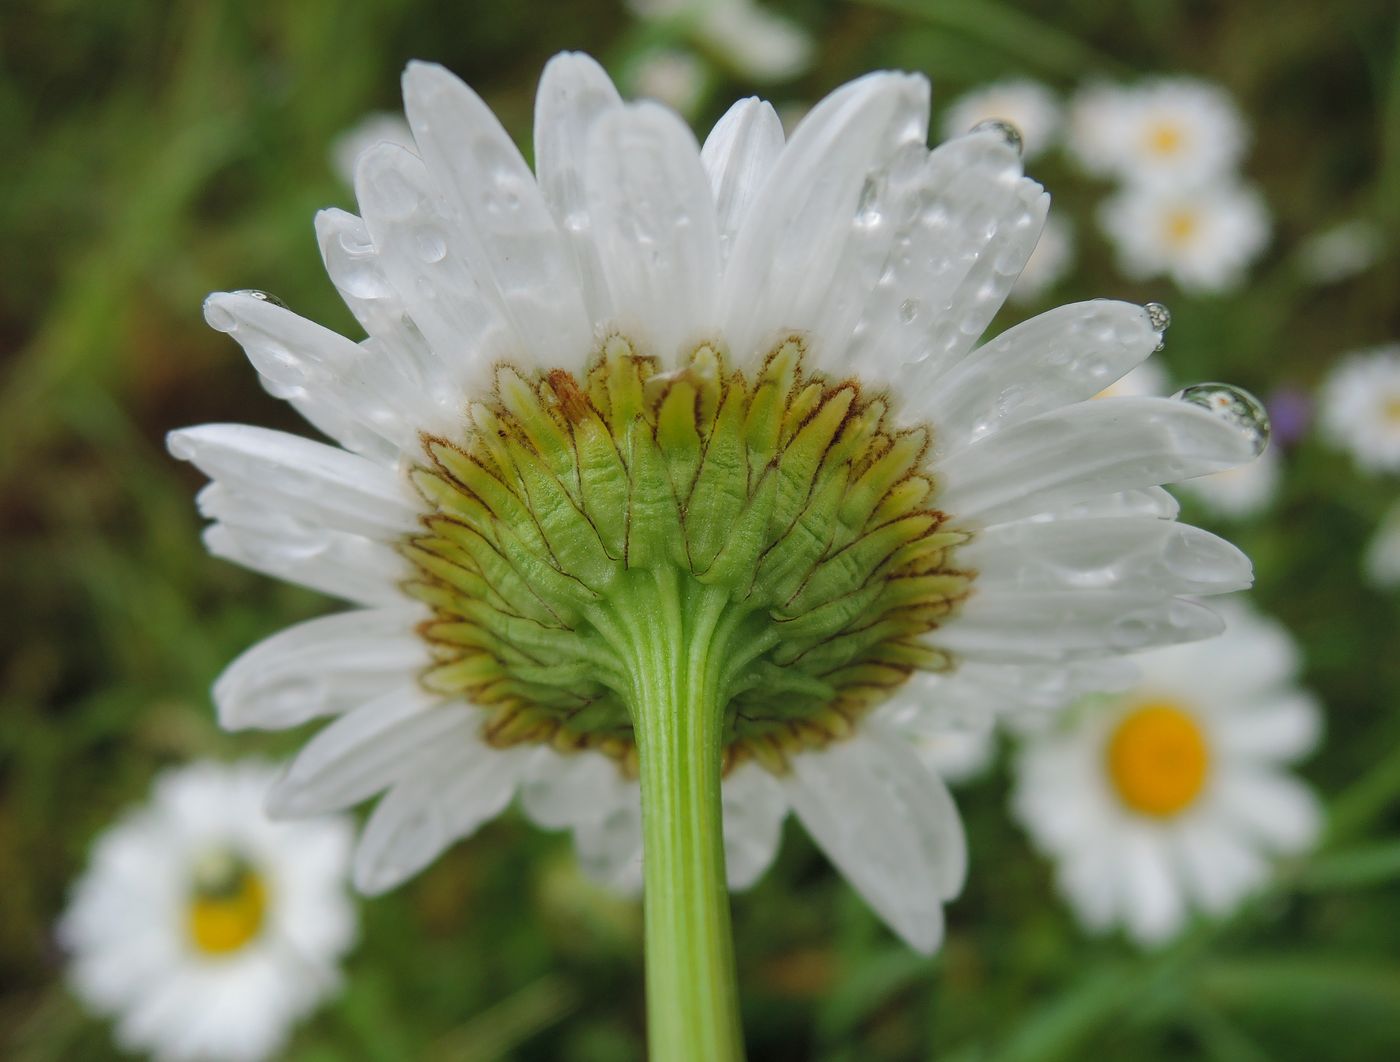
x=1204, y=238
x=204, y=929
x=1028, y=106
x=745, y=36
x=1170, y=131
x=1359, y=407
x=1382, y=561
x=1239, y=493
x=1342, y=251
x=670, y=76
x=615, y=393
x=1173, y=795
x=1048, y=263
x=374, y=128
x=957, y=755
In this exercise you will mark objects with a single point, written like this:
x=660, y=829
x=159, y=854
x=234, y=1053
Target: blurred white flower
x=204, y=929
x=1239, y=493
x=748, y=38
x=1173, y=795
x=1174, y=131
x=1149, y=378
x=1048, y=263
x=957, y=754
x=672, y=77
x=378, y=127
x=1359, y=407
x=1342, y=251
x=1382, y=562
x=1204, y=238
x=1028, y=105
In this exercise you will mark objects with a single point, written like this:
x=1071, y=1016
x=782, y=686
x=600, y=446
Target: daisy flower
x=204, y=929
x=670, y=76
x=1169, y=131
x=1204, y=238
x=1359, y=407
x=745, y=36
x=1239, y=493
x=1029, y=107
x=1382, y=561
x=1174, y=795
x=672, y=485
x=1048, y=263
x=957, y=755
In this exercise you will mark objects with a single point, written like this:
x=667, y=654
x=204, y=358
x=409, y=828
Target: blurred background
x=151, y=153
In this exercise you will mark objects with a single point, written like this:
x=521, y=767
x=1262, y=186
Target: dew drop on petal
x=1003, y=129
x=431, y=246
x=1233, y=405
x=908, y=310
x=262, y=296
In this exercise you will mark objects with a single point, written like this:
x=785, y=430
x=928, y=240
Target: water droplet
x=868, y=208
x=1160, y=319
x=1002, y=128
x=1233, y=405
x=908, y=310
x=262, y=296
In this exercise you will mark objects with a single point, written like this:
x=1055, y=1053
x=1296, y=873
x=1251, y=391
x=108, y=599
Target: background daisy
x=1359, y=407
x=203, y=929
x=1028, y=105
x=1175, y=795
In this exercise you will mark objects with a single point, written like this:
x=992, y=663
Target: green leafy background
x=152, y=152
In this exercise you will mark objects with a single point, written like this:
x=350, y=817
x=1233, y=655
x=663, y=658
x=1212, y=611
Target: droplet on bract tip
x=1234, y=405
x=1003, y=129
x=1160, y=318
x=262, y=296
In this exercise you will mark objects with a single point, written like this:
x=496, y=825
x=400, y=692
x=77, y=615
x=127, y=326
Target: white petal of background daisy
x=747, y=37
x=1203, y=237
x=1239, y=493
x=1359, y=407
x=1175, y=795
x=1048, y=263
x=670, y=76
x=1169, y=131
x=1028, y=105
x=598, y=471
x=378, y=127
x=1382, y=561
x=205, y=930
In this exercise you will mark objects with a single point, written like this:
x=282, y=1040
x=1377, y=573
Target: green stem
x=692, y=997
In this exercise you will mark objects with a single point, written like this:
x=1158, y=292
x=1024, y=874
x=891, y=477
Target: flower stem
x=692, y=998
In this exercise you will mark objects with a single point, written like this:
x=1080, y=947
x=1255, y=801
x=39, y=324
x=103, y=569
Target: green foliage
x=150, y=153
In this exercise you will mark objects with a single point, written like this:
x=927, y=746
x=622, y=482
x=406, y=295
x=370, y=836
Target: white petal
x=654, y=224
x=1283, y=728
x=1276, y=809
x=342, y=388
x=574, y=93
x=1144, y=553
x=343, y=565
x=474, y=162
x=1218, y=868
x=966, y=220
x=739, y=155
x=463, y=787
x=1050, y=624
x=366, y=750
x=310, y=481
x=430, y=259
x=1153, y=907
x=888, y=825
x=754, y=810
x=1095, y=447
x=789, y=265
x=562, y=790
x=610, y=847
x=1065, y=355
x=1146, y=501
x=354, y=266
x=321, y=667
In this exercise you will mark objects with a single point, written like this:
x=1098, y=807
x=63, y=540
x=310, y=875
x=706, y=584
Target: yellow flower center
x=227, y=904
x=1164, y=138
x=1157, y=759
x=1181, y=226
